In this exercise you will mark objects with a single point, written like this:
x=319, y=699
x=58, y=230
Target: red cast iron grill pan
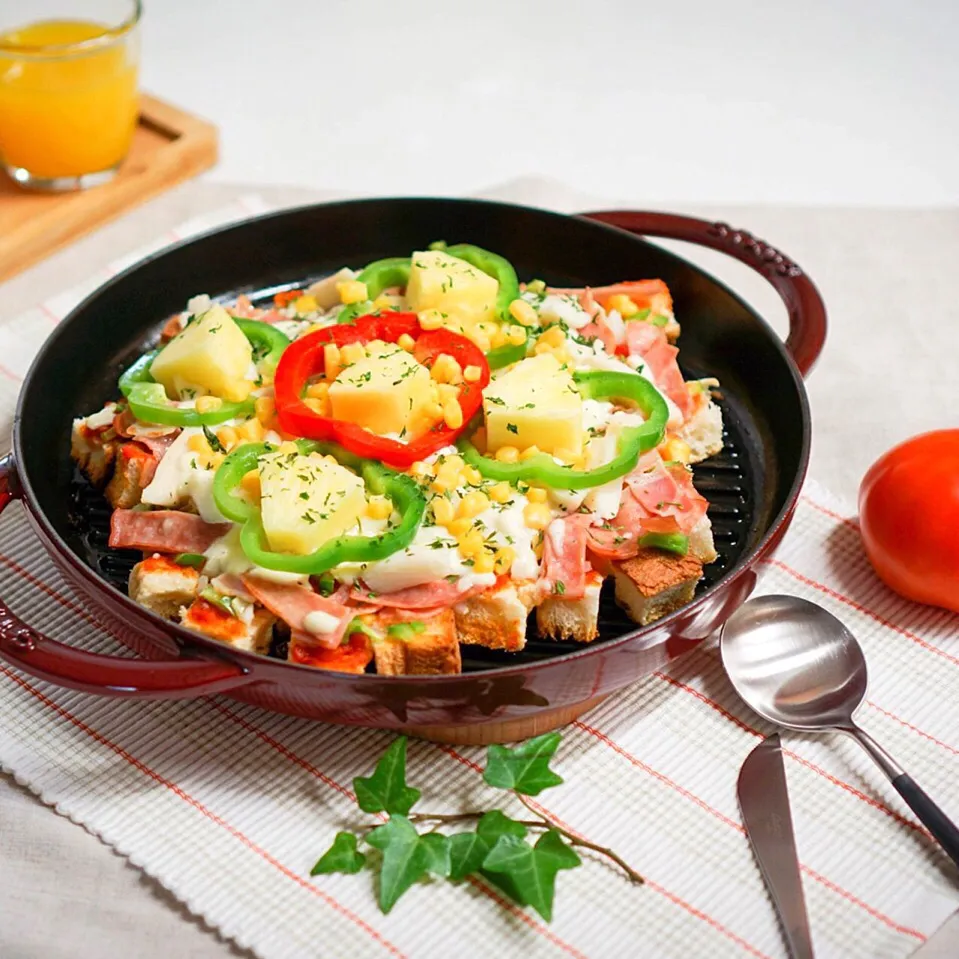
x=752, y=486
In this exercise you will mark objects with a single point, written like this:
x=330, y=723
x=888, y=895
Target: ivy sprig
x=498, y=848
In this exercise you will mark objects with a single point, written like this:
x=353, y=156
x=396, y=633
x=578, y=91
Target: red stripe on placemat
x=915, y=729
x=209, y=814
x=654, y=886
x=722, y=817
x=875, y=803
x=845, y=520
x=10, y=375
x=834, y=594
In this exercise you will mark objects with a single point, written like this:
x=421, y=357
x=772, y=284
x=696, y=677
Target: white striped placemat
x=229, y=806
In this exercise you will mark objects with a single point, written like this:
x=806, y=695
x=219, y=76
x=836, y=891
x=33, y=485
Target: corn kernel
x=352, y=291
x=237, y=390
x=567, y=456
x=442, y=511
x=227, y=436
x=452, y=414
x=516, y=335
x=454, y=462
x=419, y=468
x=305, y=304
x=198, y=444
x=554, y=336
x=484, y=563
x=501, y=492
x=265, y=408
x=352, y=353
x=471, y=543
x=252, y=431
x=431, y=319
x=387, y=301
x=503, y=559
x=498, y=338
x=379, y=507
x=623, y=305
x=507, y=454
x=433, y=411
x=331, y=360
x=460, y=527
x=318, y=406
x=250, y=484
x=443, y=484
x=530, y=452
x=536, y=494
x=472, y=475
x=215, y=459
x=676, y=449
x=536, y=515
x=319, y=390
x=406, y=342
x=522, y=312
x=447, y=392
x=472, y=374
x=562, y=356
x=482, y=342
x=207, y=404
x=472, y=504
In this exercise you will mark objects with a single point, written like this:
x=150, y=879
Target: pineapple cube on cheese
x=385, y=392
x=446, y=283
x=534, y=404
x=306, y=500
x=210, y=356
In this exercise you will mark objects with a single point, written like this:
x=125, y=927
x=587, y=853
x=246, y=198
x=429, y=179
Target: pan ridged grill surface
x=725, y=480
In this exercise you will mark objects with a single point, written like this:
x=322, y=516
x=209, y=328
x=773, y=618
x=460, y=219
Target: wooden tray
x=168, y=146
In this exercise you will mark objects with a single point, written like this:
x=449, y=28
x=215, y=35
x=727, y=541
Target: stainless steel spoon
x=798, y=666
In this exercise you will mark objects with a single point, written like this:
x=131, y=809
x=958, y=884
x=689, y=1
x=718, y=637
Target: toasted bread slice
x=496, y=618
x=560, y=618
x=133, y=471
x=162, y=586
x=93, y=452
x=251, y=637
x=655, y=583
x=701, y=542
x=703, y=431
x=432, y=651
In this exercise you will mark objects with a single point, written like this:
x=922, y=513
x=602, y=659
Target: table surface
x=848, y=103
x=887, y=373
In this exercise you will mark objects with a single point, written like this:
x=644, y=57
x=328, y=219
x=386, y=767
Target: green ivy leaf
x=386, y=789
x=438, y=851
x=532, y=869
x=406, y=858
x=342, y=856
x=494, y=824
x=524, y=768
x=467, y=852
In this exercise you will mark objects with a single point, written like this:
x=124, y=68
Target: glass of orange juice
x=68, y=90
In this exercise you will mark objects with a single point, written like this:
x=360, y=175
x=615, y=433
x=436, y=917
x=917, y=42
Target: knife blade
x=764, y=803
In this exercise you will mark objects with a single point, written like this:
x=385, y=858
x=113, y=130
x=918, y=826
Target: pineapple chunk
x=210, y=356
x=452, y=286
x=534, y=404
x=307, y=500
x=385, y=392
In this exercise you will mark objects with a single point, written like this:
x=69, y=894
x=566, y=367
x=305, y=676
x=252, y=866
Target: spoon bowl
x=798, y=666
x=794, y=663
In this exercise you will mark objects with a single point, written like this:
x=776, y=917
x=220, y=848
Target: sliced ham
x=163, y=531
x=646, y=294
x=425, y=596
x=650, y=344
x=599, y=329
x=666, y=493
x=294, y=603
x=564, y=555
x=245, y=309
x=155, y=439
x=229, y=584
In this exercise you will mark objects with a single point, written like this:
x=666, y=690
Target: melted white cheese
x=102, y=418
x=225, y=555
x=320, y=623
x=558, y=308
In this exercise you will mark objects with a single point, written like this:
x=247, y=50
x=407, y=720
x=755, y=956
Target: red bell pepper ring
x=304, y=359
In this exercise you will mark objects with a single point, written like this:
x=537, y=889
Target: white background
x=690, y=101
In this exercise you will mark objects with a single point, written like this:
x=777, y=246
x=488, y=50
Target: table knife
x=764, y=803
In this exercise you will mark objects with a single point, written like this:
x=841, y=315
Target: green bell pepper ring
x=149, y=402
x=380, y=275
x=671, y=542
x=633, y=440
x=406, y=496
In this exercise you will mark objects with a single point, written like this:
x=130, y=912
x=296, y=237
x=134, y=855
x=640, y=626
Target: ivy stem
x=542, y=822
x=584, y=843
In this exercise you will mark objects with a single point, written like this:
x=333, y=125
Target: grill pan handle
x=807, y=312
x=55, y=662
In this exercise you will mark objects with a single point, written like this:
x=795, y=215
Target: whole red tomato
x=909, y=517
